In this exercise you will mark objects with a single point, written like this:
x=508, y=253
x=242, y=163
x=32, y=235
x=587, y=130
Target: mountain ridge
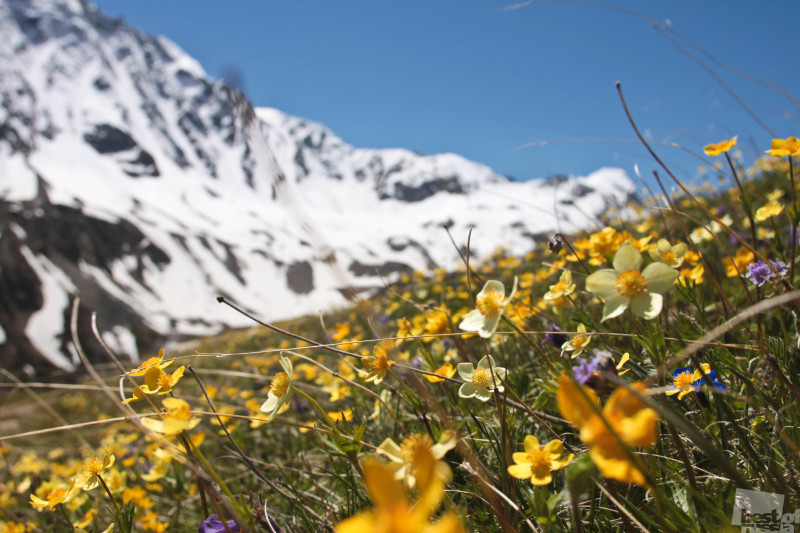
x=133, y=179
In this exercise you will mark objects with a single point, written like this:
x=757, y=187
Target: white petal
x=473, y=321
x=602, y=283
x=500, y=373
x=490, y=326
x=467, y=390
x=627, y=258
x=513, y=288
x=286, y=364
x=465, y=371
x=487, y=361
x=660, y=278
x=482, y=393
x=390, y=449
x=493, y=285
x=271, y=404
x=647, y=305
x=615, y=306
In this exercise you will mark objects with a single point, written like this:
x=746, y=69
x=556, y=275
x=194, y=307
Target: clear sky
x=485, y=78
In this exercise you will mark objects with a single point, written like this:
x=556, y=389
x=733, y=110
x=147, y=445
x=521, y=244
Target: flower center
x=561, y=286
x=490, y=302
x=58, y=493
x=280, y=384
x=631, y=283
x=481, y=377
x=683, y=380
x=165, y=382
x=580, y=342
x=92, y=466
x=668, y=257
x=412, y=443
x=539, y=457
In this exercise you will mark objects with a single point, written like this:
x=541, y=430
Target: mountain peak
x=133, y=179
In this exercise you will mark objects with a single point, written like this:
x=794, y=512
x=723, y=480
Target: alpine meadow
x=220, y=317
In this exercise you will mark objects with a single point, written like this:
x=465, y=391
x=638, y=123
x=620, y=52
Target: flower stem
x=745, y=202
x=794, y=220
x=108, y=491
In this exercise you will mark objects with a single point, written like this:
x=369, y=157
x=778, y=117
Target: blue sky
x=479, y=79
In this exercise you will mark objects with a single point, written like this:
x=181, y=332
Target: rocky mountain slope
x=131, y=178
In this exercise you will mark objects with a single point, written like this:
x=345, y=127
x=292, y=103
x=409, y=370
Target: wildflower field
x=630, y=378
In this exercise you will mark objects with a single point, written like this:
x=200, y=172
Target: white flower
x=489, y=305
x=481, y=381
x=280, y=391
x=672, y=256
x=625, y=285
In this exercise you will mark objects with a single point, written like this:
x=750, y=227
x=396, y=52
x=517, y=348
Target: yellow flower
x=768, y=210
x=563, y=288
x=785, y=147
x=721, y=147
x=737, y=265
x=341, y=416
x=54, y=497
x=156, y=381
x=402, y=456
x=393, y=513
x=692, y=275
x=403, y=327
x=683, y=383
x=672, y=256
x=489, y=305
x=380, y=364
x=625, y=286
x=633, y=424
x=447, y=370
x=577, y=343
x=177, y=418
x=280, y=391
x=342, y=331
x=151, y=363
x=90, y=473
x=537, y=462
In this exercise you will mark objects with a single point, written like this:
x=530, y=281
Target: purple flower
x=212, y=524
x=584, y=371
x=556, y=336
x=759, y=273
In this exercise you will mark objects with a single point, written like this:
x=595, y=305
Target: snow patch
x=46, y=325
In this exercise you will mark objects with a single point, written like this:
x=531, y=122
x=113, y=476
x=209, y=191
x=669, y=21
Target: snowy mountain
x=130, y=177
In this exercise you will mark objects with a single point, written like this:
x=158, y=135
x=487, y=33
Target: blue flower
x=759, y=272
x=684, y=380
x=213, y=524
